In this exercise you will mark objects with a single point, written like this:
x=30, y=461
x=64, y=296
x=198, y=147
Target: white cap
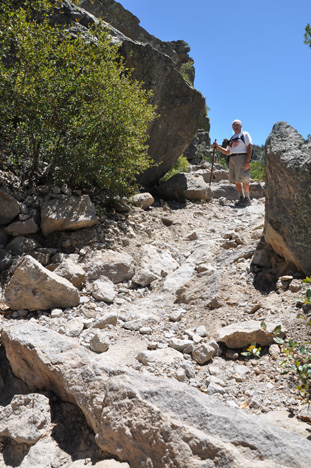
x=237, y=122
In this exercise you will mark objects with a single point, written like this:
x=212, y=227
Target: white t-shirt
x=237, y=145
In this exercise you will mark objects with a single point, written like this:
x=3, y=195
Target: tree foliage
x=68, y=102
x=307, y=35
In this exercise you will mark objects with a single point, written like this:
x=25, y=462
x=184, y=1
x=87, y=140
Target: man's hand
x=215, y=144
x=246, y=166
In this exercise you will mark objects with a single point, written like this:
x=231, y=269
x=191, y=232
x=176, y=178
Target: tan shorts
x=236, y=169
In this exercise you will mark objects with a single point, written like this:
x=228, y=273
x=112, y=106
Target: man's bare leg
x=239, y=188
x=246, y=190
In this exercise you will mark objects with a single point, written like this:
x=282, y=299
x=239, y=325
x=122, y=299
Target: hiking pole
x=210, y=180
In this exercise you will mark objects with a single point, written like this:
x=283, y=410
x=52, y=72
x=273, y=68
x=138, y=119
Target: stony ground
x=149, y=318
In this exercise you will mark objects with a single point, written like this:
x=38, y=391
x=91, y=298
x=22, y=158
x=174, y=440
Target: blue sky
x=250, y=60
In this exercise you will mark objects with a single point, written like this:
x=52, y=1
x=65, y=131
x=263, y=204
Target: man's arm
x=225, y=151
x=248, y=156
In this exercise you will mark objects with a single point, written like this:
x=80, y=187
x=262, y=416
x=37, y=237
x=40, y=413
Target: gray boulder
x=178, y=278
x=288, y=196
x=128, y=24
x=117, y=266
x=183, y=187
x=68, y=213
x=129, y=410
x=239, y=335
x=217, y=176
x=157, y=65
x=33, y=287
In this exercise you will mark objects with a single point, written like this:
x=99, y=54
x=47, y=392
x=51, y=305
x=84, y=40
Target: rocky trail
x=193, y=282
x=122, y=333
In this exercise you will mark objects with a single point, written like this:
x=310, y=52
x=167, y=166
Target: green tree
x=68, y=102
x=307, y=35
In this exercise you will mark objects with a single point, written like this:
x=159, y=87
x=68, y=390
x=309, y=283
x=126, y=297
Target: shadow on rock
x=72, y=433
x=268, y=267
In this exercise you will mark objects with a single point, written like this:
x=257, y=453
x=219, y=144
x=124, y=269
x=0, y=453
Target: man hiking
x=239, y=149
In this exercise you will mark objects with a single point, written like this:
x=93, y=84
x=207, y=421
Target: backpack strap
x=241, y=137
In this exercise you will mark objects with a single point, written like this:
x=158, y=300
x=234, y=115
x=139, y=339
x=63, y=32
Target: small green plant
x=252, y=350
x=187, y=72
x=298, y=355
x=181, y=165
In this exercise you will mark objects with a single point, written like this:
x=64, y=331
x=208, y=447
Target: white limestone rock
x=117, y=266
x=33, y=287
x=241, y=334
x=103, y=290
x=26, y=419
x=142, y=200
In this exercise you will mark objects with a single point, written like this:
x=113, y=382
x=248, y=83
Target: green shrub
x=68, y=103
x=181, y=165
x=257, y=170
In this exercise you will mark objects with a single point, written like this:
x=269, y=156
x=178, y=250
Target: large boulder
x=183, y=187
x=117, y=266
x=68, y=213
x=146, y=420
x=157, y=65
x=33, y=287
x=128, y=24
x=288, y=196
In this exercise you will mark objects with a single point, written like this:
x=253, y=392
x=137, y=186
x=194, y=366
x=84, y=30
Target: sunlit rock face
x=288, y=195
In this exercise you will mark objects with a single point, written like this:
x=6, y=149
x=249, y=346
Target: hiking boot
x=245, y=202
x=241, y=200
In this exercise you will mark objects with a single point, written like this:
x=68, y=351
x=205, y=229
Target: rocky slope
x=170, y=309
